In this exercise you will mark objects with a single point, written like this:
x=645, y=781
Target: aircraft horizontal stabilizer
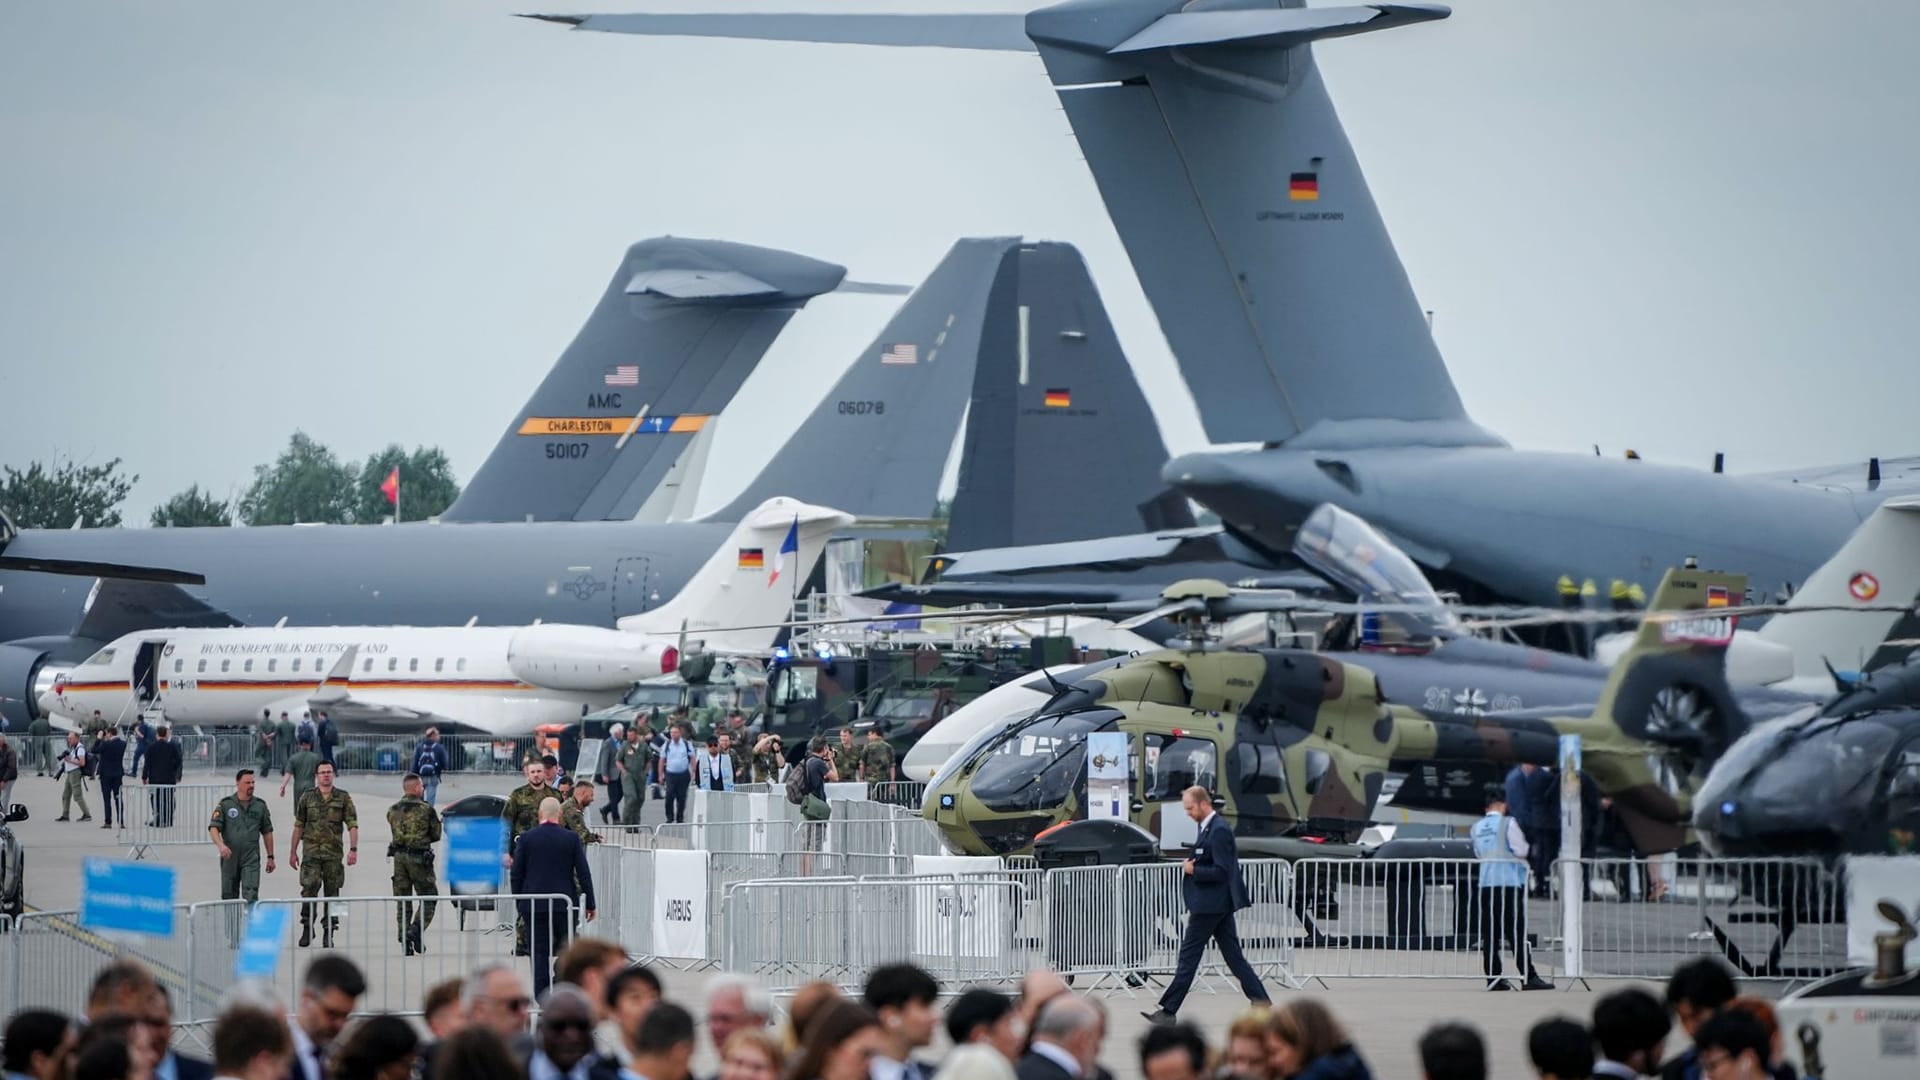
x=994, y=32
x=1195, y=544
x=85, y=568
x=119, y=607
x=1283, y=27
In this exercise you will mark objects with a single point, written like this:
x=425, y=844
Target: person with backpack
x=430, y=759
x=329, y=738
x=807, y=789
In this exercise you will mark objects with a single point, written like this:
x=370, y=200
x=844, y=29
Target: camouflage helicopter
x=1299, y=744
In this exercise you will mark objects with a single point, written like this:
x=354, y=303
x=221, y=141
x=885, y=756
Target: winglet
x=342, y=672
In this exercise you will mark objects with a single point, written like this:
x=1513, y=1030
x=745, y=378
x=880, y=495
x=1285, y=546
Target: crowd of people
x=605, y=1018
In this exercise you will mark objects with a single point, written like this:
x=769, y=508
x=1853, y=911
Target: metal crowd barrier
x=1411, y=919
x=1770, y=918
x=367, y=932
x=51, y=960
x=906, y=793
x=162, y=815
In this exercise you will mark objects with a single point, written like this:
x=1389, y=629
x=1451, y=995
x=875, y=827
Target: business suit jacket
x=1032, y=1066
x=550, y=859
x=111, y=758
x=191, y=1068
x=1215, y=887
x=162, y=763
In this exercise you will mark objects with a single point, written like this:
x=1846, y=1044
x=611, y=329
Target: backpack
x=797, y=782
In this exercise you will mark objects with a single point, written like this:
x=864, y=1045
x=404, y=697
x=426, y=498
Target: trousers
x=1504, y=909
x=676, y=786
x=73, y=789
x=110, y=799
x=549, y=926
x=1219, y=929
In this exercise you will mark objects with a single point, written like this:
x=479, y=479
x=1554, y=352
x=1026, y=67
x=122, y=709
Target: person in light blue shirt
x=676, y=772
x=713, y=766
x=1501, y=846
x=38, y=1044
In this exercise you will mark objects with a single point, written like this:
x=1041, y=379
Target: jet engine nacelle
x=587, y=657
x=27, y=671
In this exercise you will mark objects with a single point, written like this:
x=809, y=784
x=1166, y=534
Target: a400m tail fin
x=1232, y=184
x=681, y=325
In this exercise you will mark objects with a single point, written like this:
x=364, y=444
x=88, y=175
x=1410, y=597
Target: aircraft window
x=460, y=664
x=1904, y=781
x=1319, y=764
x=905, y=708
x=226, y=665
x=179, y=666
x=1038, y=766
x=367, y=664
x=1348, y=551
x=296, y=663
x=1827, y=771
x=796, y=684
x=413, y=664
x=393, y=663
x=202, y=667
x=1260, y=768
x=273, y=665
x=104, y=656
x=440, y=663
x=248, y=666
x=1175, y=764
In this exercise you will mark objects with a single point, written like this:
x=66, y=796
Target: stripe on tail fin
x=879, y=440
x=680, y=327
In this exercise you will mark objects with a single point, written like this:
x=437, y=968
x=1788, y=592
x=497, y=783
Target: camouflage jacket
x=323, y=822
x=877, y=758
x=414, y=823
x=766, y=767
x=576, y=819
x=846, y=759
x=522, y=811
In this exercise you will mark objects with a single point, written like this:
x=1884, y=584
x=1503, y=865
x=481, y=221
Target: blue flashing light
x=780, y=655
x=823, y=650
x=1727, y=808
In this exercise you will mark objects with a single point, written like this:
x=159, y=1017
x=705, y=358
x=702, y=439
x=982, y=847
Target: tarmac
x=1384, y=1015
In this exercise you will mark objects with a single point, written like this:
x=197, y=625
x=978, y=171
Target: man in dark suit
x=163, y=767
x=550, y=860
x=1212, y=890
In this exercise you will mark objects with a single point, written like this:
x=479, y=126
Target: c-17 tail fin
x=681, y=325
x=1232, y=184
x=877, y=443
x=750, y=581
x=1878, y=565
x=1060, y=442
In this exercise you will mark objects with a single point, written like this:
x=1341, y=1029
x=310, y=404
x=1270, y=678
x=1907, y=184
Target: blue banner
x=133, y=898
x=259, y=955
x=475, y=847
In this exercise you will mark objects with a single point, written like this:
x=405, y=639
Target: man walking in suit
x=550, y=860
x=1210, y=886
x=163, y=768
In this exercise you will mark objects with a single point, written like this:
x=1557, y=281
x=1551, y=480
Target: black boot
x=306, y=930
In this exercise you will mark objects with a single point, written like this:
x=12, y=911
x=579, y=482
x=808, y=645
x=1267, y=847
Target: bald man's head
x=549, y=809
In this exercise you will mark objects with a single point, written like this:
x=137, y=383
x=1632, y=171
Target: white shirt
x=1208, y=820
x=1517, y=843
x=1603, y=1067
x=1058, y=1055
x=303, y=1053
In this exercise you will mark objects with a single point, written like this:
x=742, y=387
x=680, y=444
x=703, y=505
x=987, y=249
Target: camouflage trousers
x=319, y=873
x=413, y=876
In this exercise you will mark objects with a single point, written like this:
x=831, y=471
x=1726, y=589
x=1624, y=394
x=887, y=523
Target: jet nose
x=1255, y=490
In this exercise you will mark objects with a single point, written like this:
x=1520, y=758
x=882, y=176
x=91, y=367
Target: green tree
x=192, y=508
x=427, y=485
x=306, y=483
x=39, y=497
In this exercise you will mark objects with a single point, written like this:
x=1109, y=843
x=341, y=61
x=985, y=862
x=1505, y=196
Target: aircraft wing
x=1901, y=474
x=1197, y=543
x=118, y=607
x=995, y=32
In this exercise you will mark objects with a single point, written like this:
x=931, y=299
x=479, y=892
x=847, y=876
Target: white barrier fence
x=158, y=815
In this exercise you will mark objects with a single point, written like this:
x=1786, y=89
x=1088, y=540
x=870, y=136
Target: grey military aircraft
x=877, y=442
x=1243, y=209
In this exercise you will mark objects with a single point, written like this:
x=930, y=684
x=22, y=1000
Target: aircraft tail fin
x=1060, y=442
x=1669, y=690
x=680, y=326
x=1230, y=180
x=878, y=442
x=335, y=686
x=1879, y=564
x=751, y=580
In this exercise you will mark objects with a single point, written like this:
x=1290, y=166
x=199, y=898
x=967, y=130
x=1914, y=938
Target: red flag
x=390, y=487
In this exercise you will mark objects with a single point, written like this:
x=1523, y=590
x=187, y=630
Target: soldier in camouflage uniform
x=415, y=826
x=635, y=762
x=573, y=811
x=263, y=736
x=330, y=828
x=768, y=755
x=522, y=812
x=846, y=756
x=876, y=759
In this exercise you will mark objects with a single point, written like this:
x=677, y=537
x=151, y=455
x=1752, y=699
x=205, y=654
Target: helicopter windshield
x=1823, y=776
x=1351, y=553
x=1036, y=766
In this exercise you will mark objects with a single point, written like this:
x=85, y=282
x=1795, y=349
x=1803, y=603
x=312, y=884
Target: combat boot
x=413, y=941
x=306, y=929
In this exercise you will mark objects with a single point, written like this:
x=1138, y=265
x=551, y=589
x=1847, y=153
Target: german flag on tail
x=1303, y=187
x=1059, y=398
x=753, y=559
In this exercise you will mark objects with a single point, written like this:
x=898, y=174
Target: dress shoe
x=1158, y=1016
x=1535, y=982
x=1499, y=984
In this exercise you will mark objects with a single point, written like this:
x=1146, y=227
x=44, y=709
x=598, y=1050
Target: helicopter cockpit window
x=1349, y=552
x=1828, y=771
x=1176, y=763
x=1259, y=767
x=1039, y=764
x=1903, y=780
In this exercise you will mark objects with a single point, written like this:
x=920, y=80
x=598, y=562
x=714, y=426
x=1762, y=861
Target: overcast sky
x=1679, y=227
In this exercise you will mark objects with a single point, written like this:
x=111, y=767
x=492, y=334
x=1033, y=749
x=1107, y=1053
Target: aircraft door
x=632, y=591
x=1169, y=765
x=146, y=671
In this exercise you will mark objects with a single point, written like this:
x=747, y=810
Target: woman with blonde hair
x=750, y=1054
x=1305, y=1042
x=1246, y=1054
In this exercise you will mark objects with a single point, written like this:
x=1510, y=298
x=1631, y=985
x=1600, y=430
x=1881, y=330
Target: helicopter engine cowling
x=587, y=657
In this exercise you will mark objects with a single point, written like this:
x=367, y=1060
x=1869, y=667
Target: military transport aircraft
x=1244, y=212
x=505, y=681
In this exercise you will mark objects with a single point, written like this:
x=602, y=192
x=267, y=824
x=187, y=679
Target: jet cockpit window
x=1176, y=763
x=103, y=657
x=1351, y=553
